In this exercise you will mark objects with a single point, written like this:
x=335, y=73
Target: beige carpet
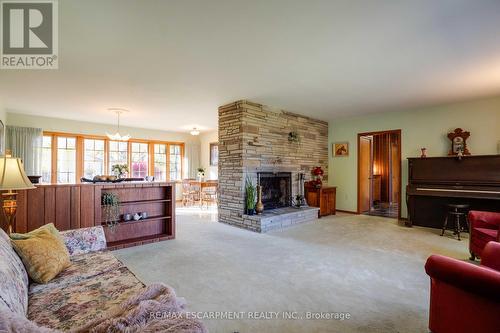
x=368, y=267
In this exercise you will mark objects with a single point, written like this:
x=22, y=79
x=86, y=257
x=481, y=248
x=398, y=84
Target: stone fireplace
x=254, y=143
x=276, y=189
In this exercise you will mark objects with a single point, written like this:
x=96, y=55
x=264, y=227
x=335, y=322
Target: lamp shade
x=12, y=175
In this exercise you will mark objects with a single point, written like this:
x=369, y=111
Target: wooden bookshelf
x=73, y=206
x=157, y=201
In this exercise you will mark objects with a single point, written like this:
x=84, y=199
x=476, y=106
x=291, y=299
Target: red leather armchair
x=484, y=228
x=465, y=298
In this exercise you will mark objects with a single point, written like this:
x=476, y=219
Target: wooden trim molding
x=398, y=132
x=347, y=211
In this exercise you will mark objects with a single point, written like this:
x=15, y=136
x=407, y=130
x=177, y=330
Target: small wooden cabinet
x=323, y=197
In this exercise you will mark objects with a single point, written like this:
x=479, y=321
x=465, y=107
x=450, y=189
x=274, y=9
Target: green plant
x=110, y=203
x=119, y=169
x=250, y=194
x=201, y=170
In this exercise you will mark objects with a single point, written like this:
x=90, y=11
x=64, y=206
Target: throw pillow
x=50, y=227
x=44, y=255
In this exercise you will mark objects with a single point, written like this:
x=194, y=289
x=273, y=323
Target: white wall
x=92, y=128
x=3, y=116
x=205, y=140
x=423, y=127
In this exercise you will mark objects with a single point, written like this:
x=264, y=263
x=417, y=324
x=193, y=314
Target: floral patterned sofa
x=94, y=283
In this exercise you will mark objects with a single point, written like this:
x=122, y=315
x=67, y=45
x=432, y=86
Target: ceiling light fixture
x=117, y=136
x=195, y=131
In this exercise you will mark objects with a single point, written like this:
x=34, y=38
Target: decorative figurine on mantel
x=424, y=152
x=458, y=142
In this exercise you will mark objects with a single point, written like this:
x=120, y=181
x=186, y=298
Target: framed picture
x=214, y=154
x=2, y=138
x=340, y=149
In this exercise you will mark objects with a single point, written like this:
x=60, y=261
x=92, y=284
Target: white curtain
x=192, y=160
x=26, y=144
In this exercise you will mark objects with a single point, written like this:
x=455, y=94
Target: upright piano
x=435, y=182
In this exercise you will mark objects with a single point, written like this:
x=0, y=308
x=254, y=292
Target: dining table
x=199, y=185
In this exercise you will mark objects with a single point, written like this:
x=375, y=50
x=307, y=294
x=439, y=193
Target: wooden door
x=365, y=148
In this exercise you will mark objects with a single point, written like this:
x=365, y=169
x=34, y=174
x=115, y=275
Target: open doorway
x=379, y=173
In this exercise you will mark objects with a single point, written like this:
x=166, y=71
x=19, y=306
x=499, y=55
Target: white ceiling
x=174, y=62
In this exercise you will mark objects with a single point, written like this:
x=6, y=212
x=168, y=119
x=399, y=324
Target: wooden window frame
x=105, y=157
x=80, y=150
x=168, y=160
x=107, y=153
x=55, y=149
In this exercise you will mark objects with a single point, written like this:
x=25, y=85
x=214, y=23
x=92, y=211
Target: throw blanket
x=155, y=309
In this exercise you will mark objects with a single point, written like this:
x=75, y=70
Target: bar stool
x=457, y=212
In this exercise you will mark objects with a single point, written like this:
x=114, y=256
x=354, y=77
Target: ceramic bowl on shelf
x=144, y=215
x=137, y=216
x=127, y=217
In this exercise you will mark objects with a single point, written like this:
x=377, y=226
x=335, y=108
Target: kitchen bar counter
x=73, y=206
x=155, y=183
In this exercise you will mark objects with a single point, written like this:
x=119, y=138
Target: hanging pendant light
x=195, y=131
x=117, y=136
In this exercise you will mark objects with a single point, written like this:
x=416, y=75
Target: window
x=93, y=158
x=160, y=160
x=47, y=159
x=175, y=162
x=118, y=154
x=66, y=159
x=214, y=154
x=139, y=159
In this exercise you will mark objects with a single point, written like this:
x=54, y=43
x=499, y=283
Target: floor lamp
x=12, y=178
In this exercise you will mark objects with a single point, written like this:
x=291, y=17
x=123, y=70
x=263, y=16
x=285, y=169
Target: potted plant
x=201, y=173
x=120, y=170
x=250, y=196
x=111, y=209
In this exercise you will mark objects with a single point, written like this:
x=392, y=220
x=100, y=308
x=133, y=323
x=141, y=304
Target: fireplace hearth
x=276, y=189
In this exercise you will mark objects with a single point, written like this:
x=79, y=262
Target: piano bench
x=458, y=212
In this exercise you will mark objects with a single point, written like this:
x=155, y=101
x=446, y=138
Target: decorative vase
x=259, y=207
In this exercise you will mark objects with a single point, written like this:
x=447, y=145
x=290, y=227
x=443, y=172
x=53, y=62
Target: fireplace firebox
x=276, y=189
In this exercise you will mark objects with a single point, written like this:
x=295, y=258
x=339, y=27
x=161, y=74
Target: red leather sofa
x=484, y=228
x=465, y=298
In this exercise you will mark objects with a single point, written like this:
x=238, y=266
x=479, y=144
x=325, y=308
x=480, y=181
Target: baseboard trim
x=346, y=211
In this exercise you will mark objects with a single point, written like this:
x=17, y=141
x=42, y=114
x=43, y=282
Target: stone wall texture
x=254, y=138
